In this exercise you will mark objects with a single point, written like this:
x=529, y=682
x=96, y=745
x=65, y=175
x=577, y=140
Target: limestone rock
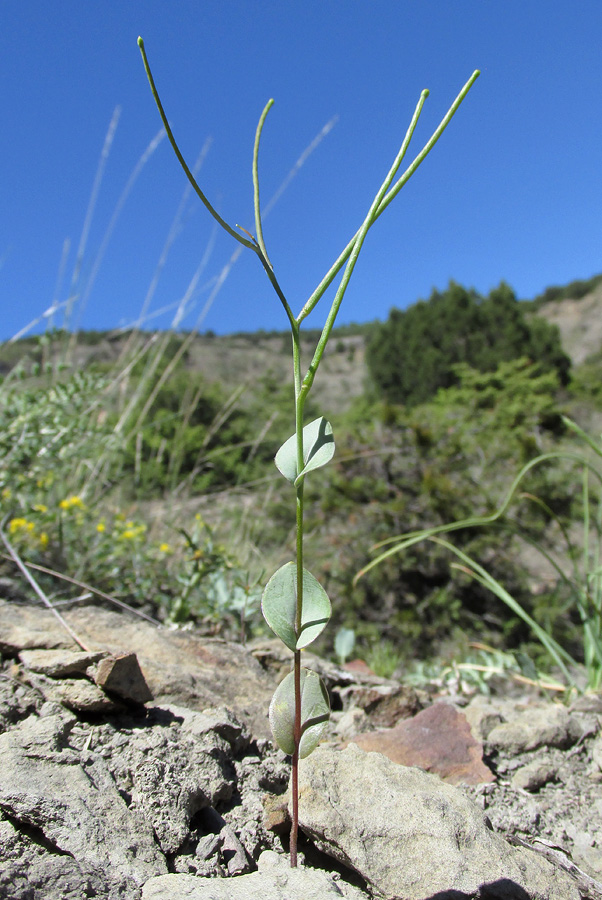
x=179, y=667
x=69, y=805
x=169, y=775
x=533, y=776
x=537, y=726
x=77, y=694
x=419, y=837
x=17, y=700
x=58, y=663
x=274, y=880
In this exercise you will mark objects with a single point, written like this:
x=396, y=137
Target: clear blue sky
x=512, y=191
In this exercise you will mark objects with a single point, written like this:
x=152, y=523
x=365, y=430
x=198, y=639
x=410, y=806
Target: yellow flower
x=43, y=540
x=101, y=527
x=39, y=507
x=165, y=548
x=16, y=525
x=70, y=502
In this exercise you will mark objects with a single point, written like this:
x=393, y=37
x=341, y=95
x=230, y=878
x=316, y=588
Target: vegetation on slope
x=127, y=469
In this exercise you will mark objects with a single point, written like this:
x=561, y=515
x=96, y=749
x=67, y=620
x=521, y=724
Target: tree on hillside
x=413, y=353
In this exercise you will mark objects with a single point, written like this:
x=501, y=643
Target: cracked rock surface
x=183, y=796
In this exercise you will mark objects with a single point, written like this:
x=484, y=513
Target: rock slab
x=274, y=880
x=68, y=805
x=418, y=837
x=437, y=739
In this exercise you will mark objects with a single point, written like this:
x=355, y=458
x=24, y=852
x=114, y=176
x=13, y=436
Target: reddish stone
x=438, y=740
x=358, y=666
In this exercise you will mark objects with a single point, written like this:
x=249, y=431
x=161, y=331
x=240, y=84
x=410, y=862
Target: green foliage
x=579, y=576
x=575, y=290
x=414, y=353
x=586, y=381
x=49, y=433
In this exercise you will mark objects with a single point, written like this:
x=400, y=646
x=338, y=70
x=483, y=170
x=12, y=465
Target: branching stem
x=348, y=258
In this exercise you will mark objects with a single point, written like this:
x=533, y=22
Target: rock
x=438, y=739
x=537, y=726
x=208, y=846
x=276, y=814
x=483, y=716
x=58, y=663
x=17, y=700
x=71, y=808
x=274, y=880
x=587, y=847
x=26, y=871
x=350, y=723
x=179, y=667
x=386, y=704
x=533, y=776
x=358, y=666
x=221, y=721
x=77, y=694
x=121, y=675
x=597, y=751
x=233, y=852
x=421, y=837
x=169, y=775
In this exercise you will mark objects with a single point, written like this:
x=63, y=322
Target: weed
x=294, y=604
x=579, y=575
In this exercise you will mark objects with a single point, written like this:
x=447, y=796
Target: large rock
x=411, y=836
x=537, y=726
x=64, y=811
x=179, y=667
x=275, y=880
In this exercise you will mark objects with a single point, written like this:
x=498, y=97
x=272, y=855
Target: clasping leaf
x=315, y=712
x=318, y=449
x=279, y=607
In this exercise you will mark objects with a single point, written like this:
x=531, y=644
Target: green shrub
x=415, y=353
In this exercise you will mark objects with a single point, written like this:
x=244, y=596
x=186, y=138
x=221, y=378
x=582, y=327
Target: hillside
x=157, y=485
x=237, y=359
x=579, y=322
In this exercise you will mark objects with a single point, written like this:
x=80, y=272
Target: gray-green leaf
x=279, y=607
x=344, y=643
x=315, y=712
x=318, y=449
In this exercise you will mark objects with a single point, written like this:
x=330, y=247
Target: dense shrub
x=413, y=353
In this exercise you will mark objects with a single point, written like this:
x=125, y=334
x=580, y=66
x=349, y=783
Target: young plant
x=294, y=604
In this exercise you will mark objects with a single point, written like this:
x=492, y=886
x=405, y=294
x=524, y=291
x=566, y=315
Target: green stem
x=299, y=407
x=358, y=242
x=250, y=242
x=392, y=193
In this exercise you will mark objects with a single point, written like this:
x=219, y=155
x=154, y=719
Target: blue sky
x=512, y=191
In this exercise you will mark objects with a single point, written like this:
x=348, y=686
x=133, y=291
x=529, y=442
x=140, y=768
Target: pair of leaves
x=315, y=712
x=279, y=607
x=318, y=449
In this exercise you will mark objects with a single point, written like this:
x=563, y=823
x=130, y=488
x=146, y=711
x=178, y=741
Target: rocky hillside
x=579, y=322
